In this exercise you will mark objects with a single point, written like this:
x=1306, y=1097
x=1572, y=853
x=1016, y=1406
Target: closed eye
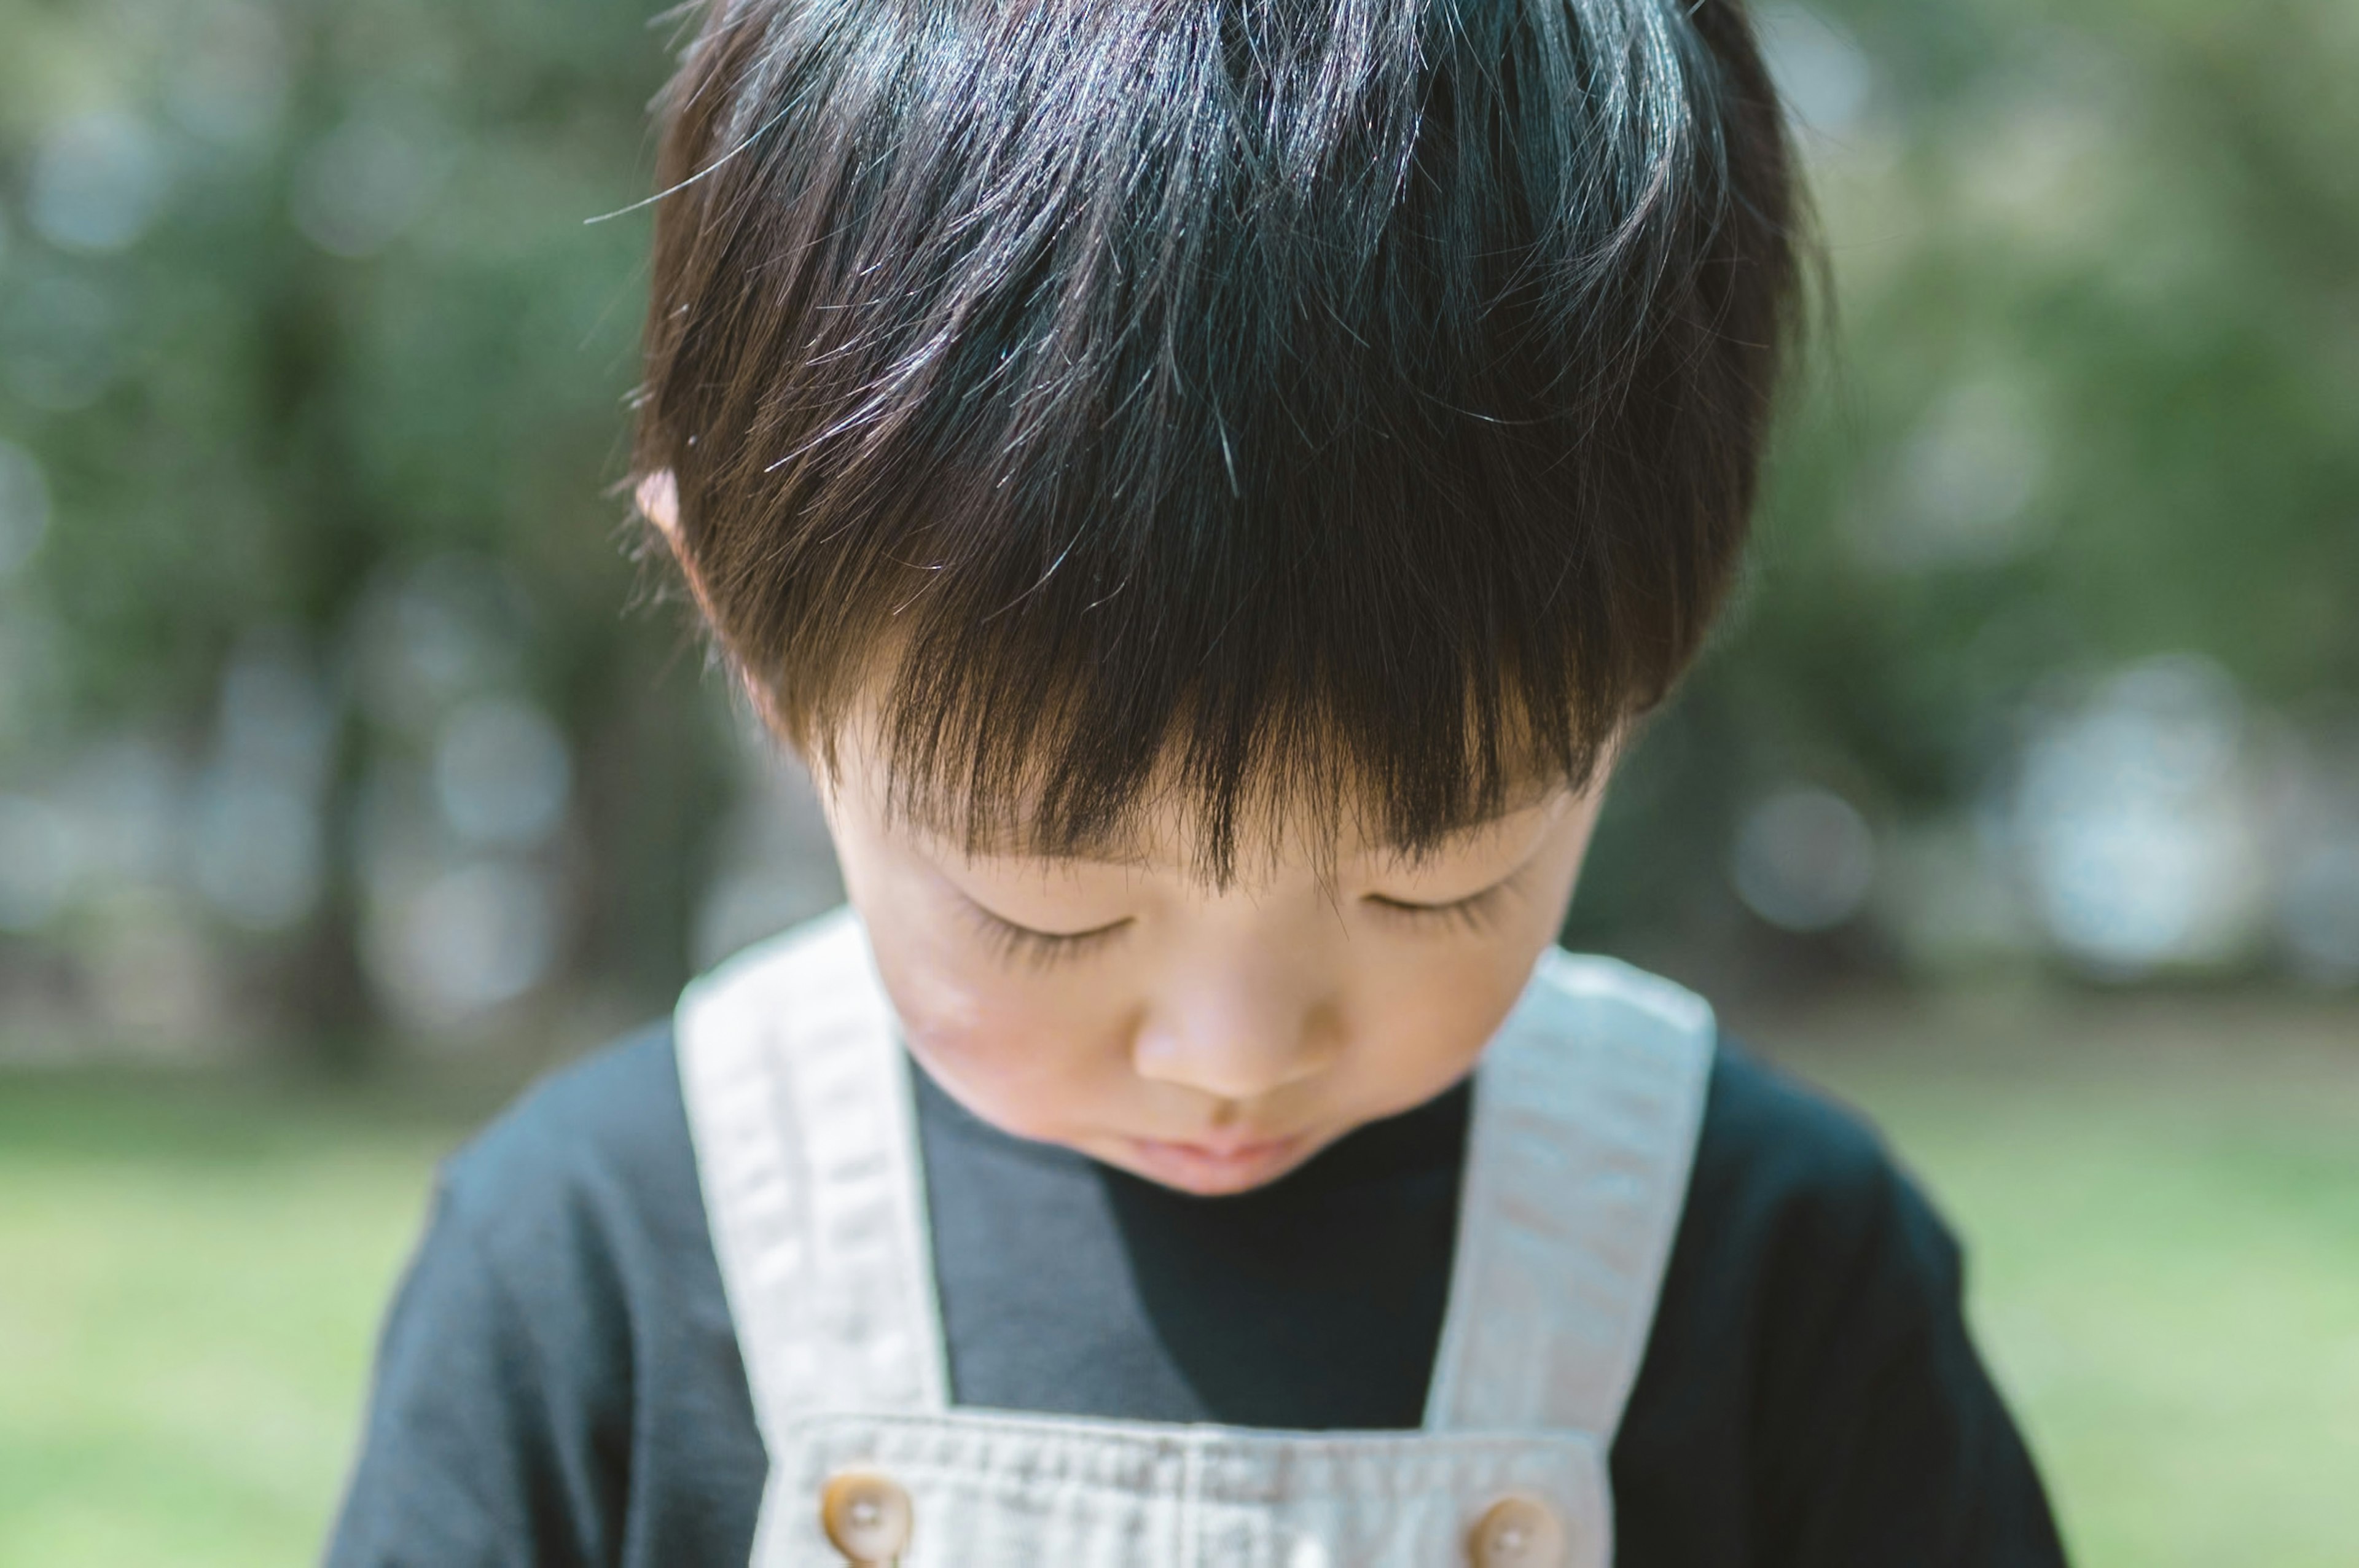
x=1011, y=943
x=1472, y=912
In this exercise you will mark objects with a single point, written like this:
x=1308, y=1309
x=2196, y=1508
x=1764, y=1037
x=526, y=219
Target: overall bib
x=1586, y=1107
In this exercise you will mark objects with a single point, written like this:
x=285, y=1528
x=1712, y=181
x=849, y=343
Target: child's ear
x=658, y=496
x=658, y=499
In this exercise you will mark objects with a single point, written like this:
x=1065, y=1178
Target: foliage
x=304, y=335
x=324, y=312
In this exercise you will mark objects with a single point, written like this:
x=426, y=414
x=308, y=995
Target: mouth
x=1211, y=1168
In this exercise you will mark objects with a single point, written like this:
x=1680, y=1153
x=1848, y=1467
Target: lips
x=1224, y=1147
x=1213, y=1166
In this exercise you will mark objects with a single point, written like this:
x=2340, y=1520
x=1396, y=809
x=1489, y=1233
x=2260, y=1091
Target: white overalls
x=1585, y=1111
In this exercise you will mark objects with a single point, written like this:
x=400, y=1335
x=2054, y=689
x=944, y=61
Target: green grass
x=2161, y=1204
x=2161, y=1200
x=191, y=1282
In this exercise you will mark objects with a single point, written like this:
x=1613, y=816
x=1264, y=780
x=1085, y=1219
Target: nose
x=1238, y=1037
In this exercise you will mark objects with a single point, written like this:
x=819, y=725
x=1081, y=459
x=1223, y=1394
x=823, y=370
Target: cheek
x=1427, y=1015
x=1441, y=1013
x=1022, y=1051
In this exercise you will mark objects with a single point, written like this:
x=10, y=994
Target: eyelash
x=1471, y=913
x=1014, y=944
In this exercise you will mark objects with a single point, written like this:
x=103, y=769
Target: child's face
x=1208, y=1039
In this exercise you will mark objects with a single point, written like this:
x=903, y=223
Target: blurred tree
x=302, y=304
x=2092, y=396
x=313, y=380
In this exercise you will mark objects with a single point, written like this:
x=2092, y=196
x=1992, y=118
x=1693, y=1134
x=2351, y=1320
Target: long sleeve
x=1811, y=1397
x=494, y=1435
x=558, y=1382
x=1886, y=1442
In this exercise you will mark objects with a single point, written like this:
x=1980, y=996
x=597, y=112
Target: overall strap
x=798, y=1106
x=1586, y=1110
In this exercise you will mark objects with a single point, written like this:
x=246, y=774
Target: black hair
x=1254, y=403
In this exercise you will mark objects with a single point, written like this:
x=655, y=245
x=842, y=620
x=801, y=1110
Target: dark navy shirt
x=559, y=1382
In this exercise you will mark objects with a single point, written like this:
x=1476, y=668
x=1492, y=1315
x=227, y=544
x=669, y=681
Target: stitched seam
x=1192, y=1499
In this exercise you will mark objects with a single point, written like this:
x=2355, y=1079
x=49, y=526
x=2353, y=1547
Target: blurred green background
x=352, y=768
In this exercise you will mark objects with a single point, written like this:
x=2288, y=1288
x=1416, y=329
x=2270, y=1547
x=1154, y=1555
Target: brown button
x=1519, y=1532
x=866, y=1514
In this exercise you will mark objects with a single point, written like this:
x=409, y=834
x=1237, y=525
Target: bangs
x=1238, y=406
x=997, y=764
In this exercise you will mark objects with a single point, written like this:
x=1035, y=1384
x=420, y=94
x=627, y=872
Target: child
x=1210, y=487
